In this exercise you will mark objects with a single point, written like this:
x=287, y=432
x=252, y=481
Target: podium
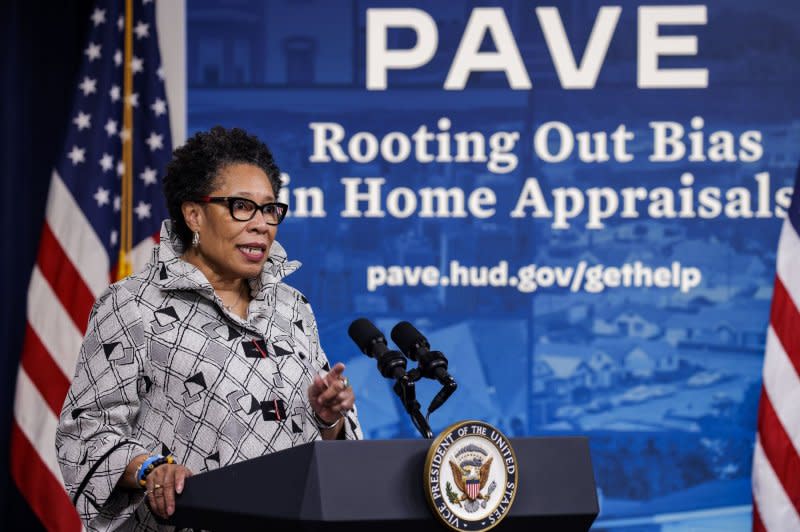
x=377, y=486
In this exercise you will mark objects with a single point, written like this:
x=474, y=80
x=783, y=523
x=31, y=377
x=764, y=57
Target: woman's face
x=232, y=249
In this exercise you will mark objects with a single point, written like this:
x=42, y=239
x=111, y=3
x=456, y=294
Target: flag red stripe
x=785, y=321
x=778, y=449
x=758, y=525
x=43, y=371
x=44, y=492
x=65, y=280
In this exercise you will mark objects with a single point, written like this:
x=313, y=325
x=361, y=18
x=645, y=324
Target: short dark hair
x=195, y=167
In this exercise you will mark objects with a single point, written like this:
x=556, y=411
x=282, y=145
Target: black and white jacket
x=165, y=368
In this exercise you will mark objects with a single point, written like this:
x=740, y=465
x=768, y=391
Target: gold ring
x=157, y=487
x=346, y=383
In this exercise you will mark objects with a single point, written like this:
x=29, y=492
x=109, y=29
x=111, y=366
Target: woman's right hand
x=163, y=484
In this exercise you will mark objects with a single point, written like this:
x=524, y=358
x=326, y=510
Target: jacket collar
x=176, y=274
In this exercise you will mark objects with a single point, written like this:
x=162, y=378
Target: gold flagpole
x=125, y=267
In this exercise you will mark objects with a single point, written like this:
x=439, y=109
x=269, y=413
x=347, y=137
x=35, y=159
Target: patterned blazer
x=165, y=368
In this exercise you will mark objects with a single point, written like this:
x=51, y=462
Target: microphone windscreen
x=364, y=334
x=406, y=336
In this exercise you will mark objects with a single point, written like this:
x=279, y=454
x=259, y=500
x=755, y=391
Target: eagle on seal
x=471, y=479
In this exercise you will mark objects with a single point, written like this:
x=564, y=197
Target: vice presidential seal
x=471, y=476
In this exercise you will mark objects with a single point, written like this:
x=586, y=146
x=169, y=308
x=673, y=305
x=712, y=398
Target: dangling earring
x=195, y=239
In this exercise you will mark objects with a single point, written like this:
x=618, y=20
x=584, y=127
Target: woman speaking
x=205, y=358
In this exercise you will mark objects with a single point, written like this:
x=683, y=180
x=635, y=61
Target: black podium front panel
x=378, y=486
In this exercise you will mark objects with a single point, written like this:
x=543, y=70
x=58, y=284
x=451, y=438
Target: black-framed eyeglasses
x=243, y=209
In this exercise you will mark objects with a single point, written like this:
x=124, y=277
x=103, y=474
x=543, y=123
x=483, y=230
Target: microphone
x=392, y=365
x=432, y=364
x=371, y=342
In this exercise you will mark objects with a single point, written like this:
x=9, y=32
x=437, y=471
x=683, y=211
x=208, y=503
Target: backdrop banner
x=578, y=203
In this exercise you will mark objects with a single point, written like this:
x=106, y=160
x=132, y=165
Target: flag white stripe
x=37, y=422
x=77, y=237
x=786, y=265
x=776, y=510
x=782, y=385
x=52, y=324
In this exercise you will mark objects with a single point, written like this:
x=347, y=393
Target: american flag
x=473, y=488
x=776, y=460
x=104, y=203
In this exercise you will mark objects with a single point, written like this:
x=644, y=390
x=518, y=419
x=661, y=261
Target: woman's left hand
x=163, y=485
x=331, y=396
